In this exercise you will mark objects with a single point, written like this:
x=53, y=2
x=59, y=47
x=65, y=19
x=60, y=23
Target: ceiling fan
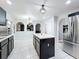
x=45, y=3
x=43, y=9
x=43, y=6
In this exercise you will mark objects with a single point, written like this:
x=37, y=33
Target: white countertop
x=2, y=38
x=43, y=36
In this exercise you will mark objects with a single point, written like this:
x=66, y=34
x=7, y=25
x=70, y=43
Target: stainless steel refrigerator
x=71, y=35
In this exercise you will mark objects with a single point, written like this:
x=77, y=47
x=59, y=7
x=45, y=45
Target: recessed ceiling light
x=9, y=2
x=68, y=2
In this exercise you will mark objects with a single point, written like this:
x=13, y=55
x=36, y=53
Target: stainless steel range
x=71, y=35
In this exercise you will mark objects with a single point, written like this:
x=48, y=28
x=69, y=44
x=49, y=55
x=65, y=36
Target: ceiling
x=31, y=8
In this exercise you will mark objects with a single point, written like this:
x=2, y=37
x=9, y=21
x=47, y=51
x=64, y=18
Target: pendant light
x=43, y=10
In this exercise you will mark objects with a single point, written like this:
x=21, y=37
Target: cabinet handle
x=48, y=44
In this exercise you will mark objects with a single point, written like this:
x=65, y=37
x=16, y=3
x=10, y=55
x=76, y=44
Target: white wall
x=10, y=19
x=48, y=26
x=55, y=27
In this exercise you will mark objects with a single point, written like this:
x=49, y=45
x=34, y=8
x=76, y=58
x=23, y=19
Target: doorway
x=38, y=30
x=20, y=26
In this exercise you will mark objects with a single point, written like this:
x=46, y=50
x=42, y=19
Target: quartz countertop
x=43, y=36
x=2, y=38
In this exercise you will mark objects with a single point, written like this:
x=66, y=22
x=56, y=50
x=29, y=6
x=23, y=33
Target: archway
x=38, y=30
x=19, y=26
x=60, y=33
x=30, y=27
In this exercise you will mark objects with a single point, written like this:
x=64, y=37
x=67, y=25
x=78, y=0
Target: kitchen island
x=6, y=46
x=44, y=45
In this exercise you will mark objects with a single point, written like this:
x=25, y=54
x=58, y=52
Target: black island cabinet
x=45, y=47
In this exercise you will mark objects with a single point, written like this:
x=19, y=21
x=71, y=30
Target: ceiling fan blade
x=37, y=4
x=40, y=4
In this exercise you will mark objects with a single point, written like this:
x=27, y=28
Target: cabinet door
x=47, y=48
x=38, y=48
x=34, y=40
x=4, y=52
x=12, y=43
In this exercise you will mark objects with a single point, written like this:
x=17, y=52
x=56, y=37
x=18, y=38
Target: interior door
x=38, y=28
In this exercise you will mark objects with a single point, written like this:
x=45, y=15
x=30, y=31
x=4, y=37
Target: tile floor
x=24, y=50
